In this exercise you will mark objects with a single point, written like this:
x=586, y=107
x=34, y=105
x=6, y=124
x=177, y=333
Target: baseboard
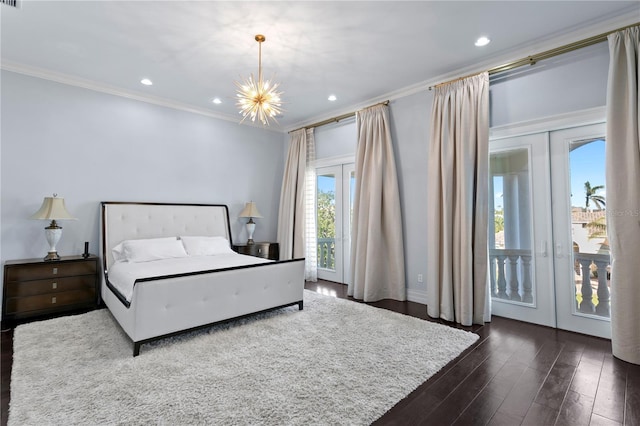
x=418, y=296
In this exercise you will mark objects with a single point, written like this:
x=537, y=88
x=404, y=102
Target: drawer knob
x=55, y=271
x=53, y=300
x=54, y=285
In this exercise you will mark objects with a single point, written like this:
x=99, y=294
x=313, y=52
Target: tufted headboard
x=129, y=221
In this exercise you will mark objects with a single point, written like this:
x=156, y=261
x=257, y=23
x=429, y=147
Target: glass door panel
x=511, y=249
x=329, y=225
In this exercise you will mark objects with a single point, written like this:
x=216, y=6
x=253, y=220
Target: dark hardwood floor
x=517, y=373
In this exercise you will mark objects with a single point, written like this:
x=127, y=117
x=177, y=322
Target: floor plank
x=610, y=395
x=556, y=384
x=576, y=409
x=517, y=403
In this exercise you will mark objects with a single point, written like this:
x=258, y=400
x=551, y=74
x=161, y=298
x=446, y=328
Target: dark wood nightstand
x=34, y=288
x=265, y=249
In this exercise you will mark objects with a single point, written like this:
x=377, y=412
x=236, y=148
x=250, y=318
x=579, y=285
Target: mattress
x=123, y=275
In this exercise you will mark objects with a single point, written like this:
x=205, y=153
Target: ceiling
x=360, y=51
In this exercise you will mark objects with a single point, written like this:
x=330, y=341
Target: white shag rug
x=335, y=362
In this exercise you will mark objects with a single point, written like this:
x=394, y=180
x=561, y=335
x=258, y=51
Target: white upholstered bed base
x=161, y=307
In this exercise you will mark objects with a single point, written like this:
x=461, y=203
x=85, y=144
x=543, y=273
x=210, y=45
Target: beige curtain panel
x=457, y=208
x=377, y=253
x=623, y=192
x=291, y=217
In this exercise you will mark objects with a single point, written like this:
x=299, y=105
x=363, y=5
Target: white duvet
x=123, y=275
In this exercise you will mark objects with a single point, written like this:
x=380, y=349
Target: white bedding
x=123, y=275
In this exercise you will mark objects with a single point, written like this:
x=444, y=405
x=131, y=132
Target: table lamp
x=250, y=210
x=52, y=209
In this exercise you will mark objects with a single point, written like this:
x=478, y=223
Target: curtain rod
x=336, y=119
x=531, y=60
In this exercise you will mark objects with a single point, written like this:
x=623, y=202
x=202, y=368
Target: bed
x=165, y=303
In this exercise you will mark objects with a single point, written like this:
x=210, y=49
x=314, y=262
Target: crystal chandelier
x=259, y=98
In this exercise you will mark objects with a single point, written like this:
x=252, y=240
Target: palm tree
x=591, y=195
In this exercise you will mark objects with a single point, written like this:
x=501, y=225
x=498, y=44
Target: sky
x=587, y=164
x=326, y=183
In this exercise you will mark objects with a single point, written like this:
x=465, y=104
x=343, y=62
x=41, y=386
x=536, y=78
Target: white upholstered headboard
x=129, y=221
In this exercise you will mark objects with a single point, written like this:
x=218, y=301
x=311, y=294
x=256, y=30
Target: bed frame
x=165, y=306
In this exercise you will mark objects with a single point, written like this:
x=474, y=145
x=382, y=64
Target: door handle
x=559, y=254
x=543, y=248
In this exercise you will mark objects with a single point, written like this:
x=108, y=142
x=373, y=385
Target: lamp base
x=251, y=226
x=53, y=255
x=53, y=233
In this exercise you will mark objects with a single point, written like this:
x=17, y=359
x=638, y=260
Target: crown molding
x=116, y=91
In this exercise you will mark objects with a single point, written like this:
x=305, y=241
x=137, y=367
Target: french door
x=520, y=237
x=548, y=249
x=335, y=186
x=582, y=249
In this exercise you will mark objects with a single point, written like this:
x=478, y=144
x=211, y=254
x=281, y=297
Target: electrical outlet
x=420, y=279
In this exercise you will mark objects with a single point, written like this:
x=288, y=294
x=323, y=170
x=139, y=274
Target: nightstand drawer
x=53, y=285
x=52, y=300
x=49, y=270
x=265, y=250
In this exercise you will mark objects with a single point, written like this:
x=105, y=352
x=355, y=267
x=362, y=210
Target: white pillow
x=118, y=251
x=152, y=249
x=206, y=246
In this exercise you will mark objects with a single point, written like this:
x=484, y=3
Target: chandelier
x=259, y=98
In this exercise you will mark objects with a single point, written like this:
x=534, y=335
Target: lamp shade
x=52, y=208
x=250, y=210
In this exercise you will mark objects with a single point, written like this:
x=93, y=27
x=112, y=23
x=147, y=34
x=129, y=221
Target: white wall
x=410, y=117
x=573, y=82
x=336, y=139
x=566, y=83
x=89, y=147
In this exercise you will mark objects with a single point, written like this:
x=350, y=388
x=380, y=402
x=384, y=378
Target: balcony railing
x=510, y=274
x=511, y=279
x=595, y=267
x=327, y=253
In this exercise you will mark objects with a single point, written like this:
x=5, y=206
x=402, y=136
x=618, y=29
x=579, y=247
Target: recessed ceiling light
x=216, y=101
x=482, y=41
x=146, y=82
x=332, y=98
